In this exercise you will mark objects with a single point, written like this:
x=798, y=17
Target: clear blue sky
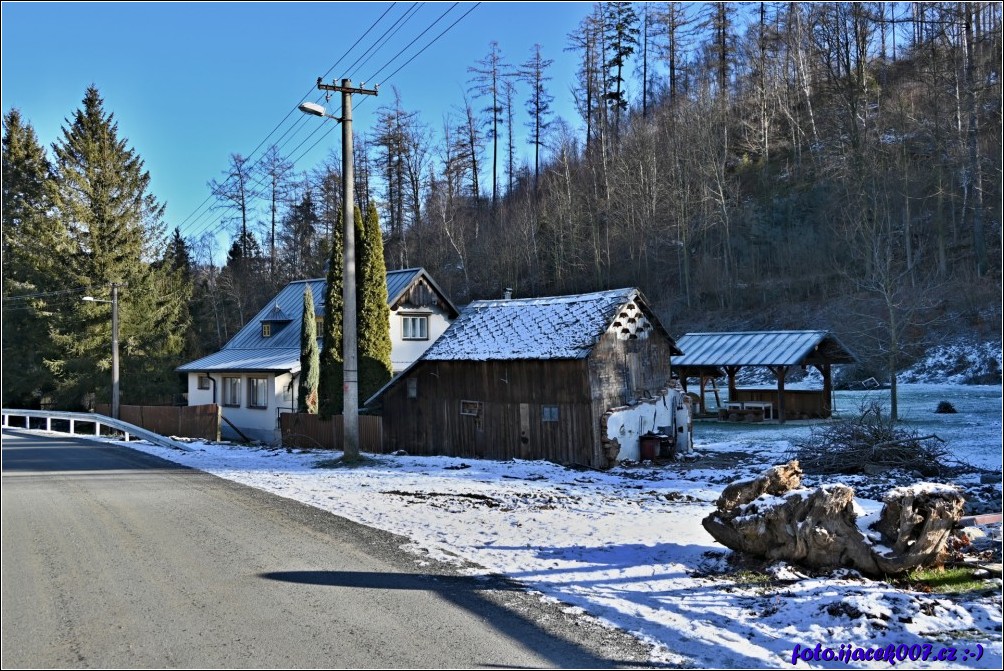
x=191, y=83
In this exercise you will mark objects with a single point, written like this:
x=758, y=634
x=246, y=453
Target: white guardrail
x=89, y=419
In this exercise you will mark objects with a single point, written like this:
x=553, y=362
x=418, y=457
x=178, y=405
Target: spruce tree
x=331, y=398
x=374, y=313
x=114, y=224
x=309, y=356
x=33, y=244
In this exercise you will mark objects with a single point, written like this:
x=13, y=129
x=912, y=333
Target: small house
x=254, y=377
x=571, y=379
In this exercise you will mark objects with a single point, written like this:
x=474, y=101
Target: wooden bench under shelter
x=707, y=356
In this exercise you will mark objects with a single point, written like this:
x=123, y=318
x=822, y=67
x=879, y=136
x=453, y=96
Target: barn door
x=524, y=431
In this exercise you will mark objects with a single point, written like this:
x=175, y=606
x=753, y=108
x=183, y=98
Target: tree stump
x=771, y=518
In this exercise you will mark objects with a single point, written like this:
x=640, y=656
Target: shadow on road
x=496, y=600
x=411, y=581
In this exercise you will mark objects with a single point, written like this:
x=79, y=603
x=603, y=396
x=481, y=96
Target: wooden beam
x=780, y=372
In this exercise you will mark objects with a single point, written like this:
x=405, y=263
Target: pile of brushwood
x=870, y=444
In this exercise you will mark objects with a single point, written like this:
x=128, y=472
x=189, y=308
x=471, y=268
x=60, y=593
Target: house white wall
x=256, y=423
x=405, y=352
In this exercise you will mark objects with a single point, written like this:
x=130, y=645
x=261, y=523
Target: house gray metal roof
x=760, y=348
x=249, y=351
x=559, y=327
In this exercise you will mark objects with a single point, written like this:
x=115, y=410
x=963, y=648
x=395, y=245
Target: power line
x=46, y=294
x=288, y=114
x=390, y=32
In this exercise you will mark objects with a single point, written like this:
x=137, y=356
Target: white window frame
x=257, y=385
x=231, y=388
x=414, y=327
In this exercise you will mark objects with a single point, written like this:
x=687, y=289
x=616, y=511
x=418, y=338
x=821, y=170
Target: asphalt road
x=114, y=558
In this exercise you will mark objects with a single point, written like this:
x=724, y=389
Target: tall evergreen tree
x=309, y=357
x=373, y=314
x=101, y=196
x=621, y=33
x=33, y=243
x=331, y=338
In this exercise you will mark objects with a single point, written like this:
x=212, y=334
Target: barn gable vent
x=631, y=323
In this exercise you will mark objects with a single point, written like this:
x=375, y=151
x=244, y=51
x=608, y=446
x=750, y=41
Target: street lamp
x=350, y=353
x=115, y=344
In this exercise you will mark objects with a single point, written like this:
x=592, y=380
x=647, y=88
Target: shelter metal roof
x=760, y=348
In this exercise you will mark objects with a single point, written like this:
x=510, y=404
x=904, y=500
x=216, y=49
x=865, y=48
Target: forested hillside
x=748, y=165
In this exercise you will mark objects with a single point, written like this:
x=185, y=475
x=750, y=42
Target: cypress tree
x=309, y=356
x=116, y=233
x=374, y=313
x=33, y=244
x=331, y=338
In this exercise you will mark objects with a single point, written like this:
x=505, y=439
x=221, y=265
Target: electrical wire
x=362, y=60
x=288, y=114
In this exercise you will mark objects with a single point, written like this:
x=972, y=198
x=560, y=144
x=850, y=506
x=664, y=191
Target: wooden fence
x=311, y=431
x=190, y=421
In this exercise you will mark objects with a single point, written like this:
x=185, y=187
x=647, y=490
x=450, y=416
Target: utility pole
x=115, y=341
x=115, y=350
x=350, y=350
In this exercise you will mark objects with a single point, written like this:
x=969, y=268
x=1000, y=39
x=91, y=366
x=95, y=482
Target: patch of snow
x=963, y=362
x=627, y=545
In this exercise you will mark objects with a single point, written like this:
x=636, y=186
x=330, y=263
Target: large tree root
x=770, y=517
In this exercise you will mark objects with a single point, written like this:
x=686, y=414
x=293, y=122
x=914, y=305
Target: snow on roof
x=251, y=351
x=558, y=327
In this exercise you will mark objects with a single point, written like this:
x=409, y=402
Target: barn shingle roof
x=558, y=327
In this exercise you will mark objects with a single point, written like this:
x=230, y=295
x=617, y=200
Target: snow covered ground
x=627, y=547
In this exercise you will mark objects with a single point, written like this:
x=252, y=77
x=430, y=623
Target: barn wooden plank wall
x=504, y=410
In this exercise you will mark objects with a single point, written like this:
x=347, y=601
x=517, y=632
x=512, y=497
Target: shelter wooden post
x=780, y=372
x=731, y=371
x=827, y=373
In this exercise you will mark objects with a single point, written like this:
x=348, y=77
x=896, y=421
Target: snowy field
x=626, y=546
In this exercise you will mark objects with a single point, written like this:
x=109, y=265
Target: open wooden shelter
x=710, y=355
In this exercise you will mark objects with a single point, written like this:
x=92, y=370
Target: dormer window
x=266, y=330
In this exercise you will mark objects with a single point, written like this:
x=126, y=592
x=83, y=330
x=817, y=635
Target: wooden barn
x=570, y=379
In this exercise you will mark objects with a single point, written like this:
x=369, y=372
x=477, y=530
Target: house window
x=470, y=408
x=549, y=413
x=412, y=387
x=232, y=392
x=266, y=330
x=415, y=327
x=319, y=323
x=203, y=382
x=257, y=397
